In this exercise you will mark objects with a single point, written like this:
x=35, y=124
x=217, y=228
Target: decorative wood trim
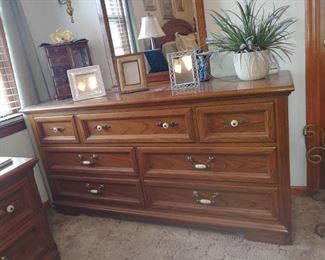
x=12, y=127
x=298, y=191
x=47, y=205
x=313, y=85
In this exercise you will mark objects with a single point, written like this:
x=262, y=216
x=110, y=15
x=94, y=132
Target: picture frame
x=131, y=73
x=167, y=9
x=149, y=5
x=86, y=83
x=183, y=70
x=180, y=5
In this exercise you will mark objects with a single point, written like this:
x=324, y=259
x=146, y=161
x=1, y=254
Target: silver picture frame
x=86, y=83
x=183, y=70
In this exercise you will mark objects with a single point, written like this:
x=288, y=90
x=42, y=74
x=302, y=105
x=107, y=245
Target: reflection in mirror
x=131, y=78
x=154, y=27
x=183, y=69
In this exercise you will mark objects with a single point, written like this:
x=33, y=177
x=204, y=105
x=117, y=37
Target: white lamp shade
x=150, y=28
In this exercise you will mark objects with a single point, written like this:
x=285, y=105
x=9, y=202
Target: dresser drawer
x=17, y=205
x=172, y=125
x=237, y=123
x=237, y=164
x=103, y=191
x=224, y=200
x=56, y=129
x=85, y=160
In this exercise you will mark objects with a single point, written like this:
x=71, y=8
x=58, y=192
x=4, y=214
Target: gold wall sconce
x=69, y=9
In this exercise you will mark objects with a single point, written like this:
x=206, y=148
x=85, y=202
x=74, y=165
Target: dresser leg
x=269, y=237
x=67, y=211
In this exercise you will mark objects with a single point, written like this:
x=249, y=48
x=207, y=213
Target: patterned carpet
x=96, y=238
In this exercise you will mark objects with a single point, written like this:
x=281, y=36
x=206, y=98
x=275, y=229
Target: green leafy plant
x=252, y=29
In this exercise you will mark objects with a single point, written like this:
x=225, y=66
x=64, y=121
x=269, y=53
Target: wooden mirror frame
x=109, y=48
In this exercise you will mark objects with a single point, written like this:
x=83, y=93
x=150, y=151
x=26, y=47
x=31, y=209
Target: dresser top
x=226, y=87
x=17, y=166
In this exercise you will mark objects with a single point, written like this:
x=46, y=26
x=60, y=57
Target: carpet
x=96, y=238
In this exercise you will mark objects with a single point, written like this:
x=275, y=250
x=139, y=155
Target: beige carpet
x=94, y=238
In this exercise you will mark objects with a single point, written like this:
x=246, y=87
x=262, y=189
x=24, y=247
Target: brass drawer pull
x=89, y=162
x=93, y=190
x=204, y=201
x=200, y=166
x=57, y=129
x=10, y=209
x=235, y=123
x=100, y=128
x=166, y=125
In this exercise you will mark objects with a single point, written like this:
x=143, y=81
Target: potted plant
x=255, y=37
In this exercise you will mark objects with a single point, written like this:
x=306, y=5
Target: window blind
x=117, y=20
x=9, y=99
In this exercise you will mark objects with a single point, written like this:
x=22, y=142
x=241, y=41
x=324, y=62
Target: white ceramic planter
x=252, y=65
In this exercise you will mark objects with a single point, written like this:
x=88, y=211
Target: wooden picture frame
x=131, y=73
x=86, y=83
x=167, y=9
x=149, y=5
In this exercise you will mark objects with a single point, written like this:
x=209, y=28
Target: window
x=119, y=26
x=9, y=99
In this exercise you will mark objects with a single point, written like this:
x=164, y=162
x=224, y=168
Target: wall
x=19, y=145
x=45, y=16
x=297, y=117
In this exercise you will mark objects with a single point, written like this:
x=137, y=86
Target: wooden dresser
x=24, y=230
x=214, y=157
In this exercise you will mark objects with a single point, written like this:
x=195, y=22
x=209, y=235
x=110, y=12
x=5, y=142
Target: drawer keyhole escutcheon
x=166, y=125
x=100, y=128
x=10, y=209
x=204, y=201
x=89, y=162
x=95, y=191
x=200, y=166
x=57, y=129
x=235, y=123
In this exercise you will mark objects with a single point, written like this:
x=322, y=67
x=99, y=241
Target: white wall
x=45, y=16
x=297, y=117
x=19, y=145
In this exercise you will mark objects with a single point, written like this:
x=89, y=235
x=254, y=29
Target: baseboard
x=298, y=191
x=47, y=205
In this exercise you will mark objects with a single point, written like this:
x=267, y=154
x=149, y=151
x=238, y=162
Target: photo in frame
x=167, y=9
x=131, y=73
x=86, y=83
x=149, y=5
x=183, y=70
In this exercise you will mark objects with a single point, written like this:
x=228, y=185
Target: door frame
x=313, y=86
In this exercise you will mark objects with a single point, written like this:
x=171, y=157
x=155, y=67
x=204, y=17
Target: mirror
x=153, y=27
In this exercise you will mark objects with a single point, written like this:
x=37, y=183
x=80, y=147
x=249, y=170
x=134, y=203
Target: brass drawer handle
x=204, y=201
x=100, y=128
x=235, y=123
x=200, y=166
x=166, y=125
x=89, y=162
x=10, y=209
x=57, y=129
x=94, y=191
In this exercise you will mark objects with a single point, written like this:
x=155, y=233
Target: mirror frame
x=155, y=76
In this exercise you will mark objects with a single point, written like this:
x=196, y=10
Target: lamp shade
x=150, y=28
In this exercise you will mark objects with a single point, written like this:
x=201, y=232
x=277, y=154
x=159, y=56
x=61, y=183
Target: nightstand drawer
x=114, y=161
x=100, y=191
x=17, y=205
x=56, y=129
x=172, y=125
x=237, y=123
x=235, y=164
x=214, y=200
